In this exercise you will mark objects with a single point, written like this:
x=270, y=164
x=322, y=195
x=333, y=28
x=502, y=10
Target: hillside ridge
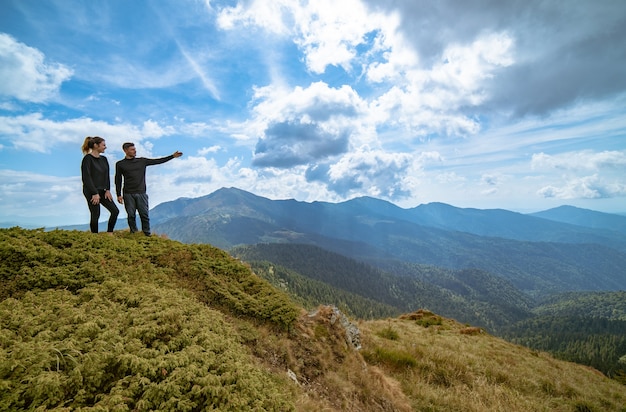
x=129, y=322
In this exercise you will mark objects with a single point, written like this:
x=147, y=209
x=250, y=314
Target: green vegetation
x=583, y=327
x=389, y=333
x=311, y=293
x=606, y=305
x=597, y=342
x=118, y=323
x=38, y=260
x=392, y=358
x=469, y=296
x=132, y=323
x=424, y=318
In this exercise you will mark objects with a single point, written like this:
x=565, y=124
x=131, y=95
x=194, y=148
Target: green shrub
x=429, y=321
x=389, y=333
x=393, y=358
x=115, y=323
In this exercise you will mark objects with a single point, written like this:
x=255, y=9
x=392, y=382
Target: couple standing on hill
x=97, y=184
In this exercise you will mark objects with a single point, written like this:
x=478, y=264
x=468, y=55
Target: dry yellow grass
x=404, y=366
x=452, y=370
x=332, y=376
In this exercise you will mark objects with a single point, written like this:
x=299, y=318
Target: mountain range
x=540, y=254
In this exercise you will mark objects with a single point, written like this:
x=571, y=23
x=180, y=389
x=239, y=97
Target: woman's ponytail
x=90, y=142
x=86, y=145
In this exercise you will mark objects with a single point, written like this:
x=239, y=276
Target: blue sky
x=513, y=105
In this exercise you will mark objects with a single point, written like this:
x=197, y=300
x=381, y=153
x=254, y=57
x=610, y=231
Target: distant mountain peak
x=584, y=217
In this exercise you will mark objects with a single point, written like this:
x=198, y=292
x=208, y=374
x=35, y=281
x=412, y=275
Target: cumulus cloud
x=439, y=99
x=607, y=180
x=419, y=99
x=268, y=15
x=330, y=32
x=33, y=132
x=26, y=75
x=587, y=187
x=317, y=102
x=289, y=144
x=373, y=172
x=562, y=54
x=327, y=32
x=304, y=125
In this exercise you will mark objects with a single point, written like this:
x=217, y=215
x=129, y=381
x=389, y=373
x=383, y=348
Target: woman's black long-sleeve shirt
x=95, y=173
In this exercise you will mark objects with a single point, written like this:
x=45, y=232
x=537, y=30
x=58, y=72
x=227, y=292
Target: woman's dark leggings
x=95, y=213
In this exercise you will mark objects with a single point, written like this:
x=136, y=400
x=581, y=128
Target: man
x=132, y=170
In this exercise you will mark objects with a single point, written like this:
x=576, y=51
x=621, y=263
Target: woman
x=97, y=182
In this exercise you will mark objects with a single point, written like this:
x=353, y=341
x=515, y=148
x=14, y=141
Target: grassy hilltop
x=133, y=323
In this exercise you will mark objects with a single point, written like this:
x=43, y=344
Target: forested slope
x=469, y=296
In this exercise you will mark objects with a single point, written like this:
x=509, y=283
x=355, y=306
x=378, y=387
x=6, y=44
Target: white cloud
x=33, y=132
x=372, y=172
x=207, y=150
x=328, y=32
x=418, y=100
x=391, y=57
x=25, y=74
x=268, y=15
x=562, y=56
x=607, y=180
x=305, y=125
x=200, y=71
x=29, y=197
x=433, y=100
x=152, y=129
x=317, y=102
x=586, y=187
x=582, y=160
x=465, y=67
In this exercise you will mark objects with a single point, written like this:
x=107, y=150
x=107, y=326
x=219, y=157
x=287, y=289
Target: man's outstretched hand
x=177, y=154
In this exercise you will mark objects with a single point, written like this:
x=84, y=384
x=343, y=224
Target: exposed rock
x=292, y=376
x=353, y=334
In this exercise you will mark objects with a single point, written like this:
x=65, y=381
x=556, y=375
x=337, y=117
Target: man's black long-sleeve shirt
x=134, y=173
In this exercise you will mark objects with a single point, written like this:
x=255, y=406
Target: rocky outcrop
x=352, y=332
